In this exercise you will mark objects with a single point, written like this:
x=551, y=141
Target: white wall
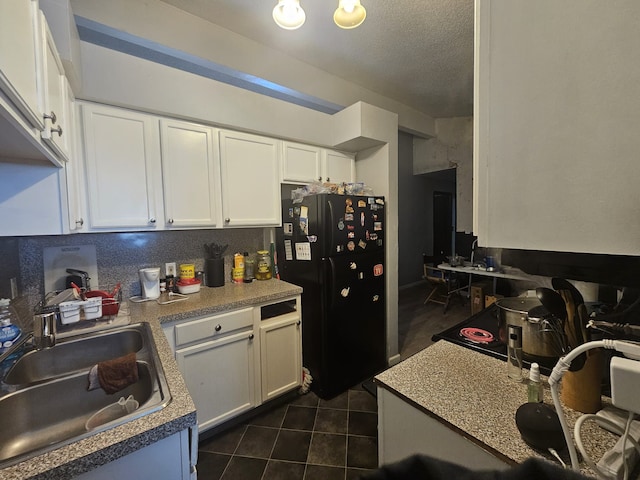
x=171, y=27
x=451, y=148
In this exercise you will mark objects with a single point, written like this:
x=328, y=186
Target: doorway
x=443, y=225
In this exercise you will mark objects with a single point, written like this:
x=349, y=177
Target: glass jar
x=263, y=265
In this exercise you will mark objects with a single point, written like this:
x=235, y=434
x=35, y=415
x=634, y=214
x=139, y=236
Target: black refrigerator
x=333, y=247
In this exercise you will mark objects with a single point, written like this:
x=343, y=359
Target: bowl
x=188, y=287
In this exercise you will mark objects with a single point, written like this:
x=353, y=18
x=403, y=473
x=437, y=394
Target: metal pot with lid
x=542, y=333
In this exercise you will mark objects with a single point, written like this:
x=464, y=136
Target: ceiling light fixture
x=349, y=14
x=288, y=14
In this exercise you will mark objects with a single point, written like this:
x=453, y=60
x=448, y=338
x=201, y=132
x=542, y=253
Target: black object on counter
x=540, y=426
x=214, y=268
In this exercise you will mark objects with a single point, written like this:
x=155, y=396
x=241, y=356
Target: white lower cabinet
x=280, y=355
x=234, y=361
x=220, y=376
x=167, y=459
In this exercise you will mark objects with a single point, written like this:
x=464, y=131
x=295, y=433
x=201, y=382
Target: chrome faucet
x=42, y=336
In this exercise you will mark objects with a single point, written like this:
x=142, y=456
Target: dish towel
x=114, y=375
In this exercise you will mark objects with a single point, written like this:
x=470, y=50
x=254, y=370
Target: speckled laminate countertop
x=84, y=455
x=471, y=393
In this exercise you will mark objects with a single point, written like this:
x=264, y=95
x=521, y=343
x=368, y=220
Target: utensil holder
x=581, y=390
x=215, y=272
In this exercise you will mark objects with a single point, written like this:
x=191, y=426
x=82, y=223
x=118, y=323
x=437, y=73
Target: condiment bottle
x=237, y=273
x=534, y=389
x=514, y=352
x=249, y=268
x=263, y=270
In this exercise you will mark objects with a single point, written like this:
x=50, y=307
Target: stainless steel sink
x=76, y=354
x=47, y=403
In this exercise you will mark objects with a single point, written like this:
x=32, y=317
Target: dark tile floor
x=310, y=438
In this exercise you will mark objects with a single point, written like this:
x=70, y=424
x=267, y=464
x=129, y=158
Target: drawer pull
x=251, y=337
x=298, y=322
x=218, y=327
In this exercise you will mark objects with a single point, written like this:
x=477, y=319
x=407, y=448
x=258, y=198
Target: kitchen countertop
x=471, y=393
x=84, y=455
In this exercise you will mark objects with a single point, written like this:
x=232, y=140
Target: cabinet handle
x=152, y=220
x=227, y=220
x=251, y=337
x=298, y=323
x=218, y=328
x=80, y=222
x=58, y=130
x=328, y=179
x=51, y=116
x=170, y=221
x=320, y=179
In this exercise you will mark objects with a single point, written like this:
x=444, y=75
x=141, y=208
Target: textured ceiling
x=418, y=52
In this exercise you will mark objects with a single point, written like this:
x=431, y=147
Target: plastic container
x=9, y=331
x=190, y=287
x=263, y=268
x=92, y=308
x=249, y=268
x=111, y=412
x=70, y=311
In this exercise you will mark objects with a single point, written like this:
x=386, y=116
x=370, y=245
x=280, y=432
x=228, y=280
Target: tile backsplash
x=119, y=255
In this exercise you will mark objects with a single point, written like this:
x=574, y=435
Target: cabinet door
x=73, y=171
x=56, y=104
x=338, y=167
x=123, y=168
x=250, y=180
x=220, y=377
x=18, y=58
x=281, y=356
x=300, y=163
x=190, y=175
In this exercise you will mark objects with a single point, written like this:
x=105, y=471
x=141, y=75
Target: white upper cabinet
x=306, y=164
x=19, y=41
x=250, y=179
x=123, y=168
x=301, y=163
x=56, y=104
x=338, y=167
x=556, y=115
x=190, y=174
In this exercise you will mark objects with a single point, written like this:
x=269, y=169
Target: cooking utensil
x=562, y=284
x=79, y=292
x=539, y=342
x=553, y=301
x=573, y=328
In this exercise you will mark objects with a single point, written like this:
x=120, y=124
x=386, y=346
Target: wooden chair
x=444, y=284
x=439, y=285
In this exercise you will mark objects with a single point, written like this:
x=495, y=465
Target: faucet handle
x=44, y=330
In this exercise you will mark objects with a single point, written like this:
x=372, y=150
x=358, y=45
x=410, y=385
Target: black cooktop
x=481, y=332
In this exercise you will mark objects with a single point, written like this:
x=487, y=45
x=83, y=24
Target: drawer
x=215, y=326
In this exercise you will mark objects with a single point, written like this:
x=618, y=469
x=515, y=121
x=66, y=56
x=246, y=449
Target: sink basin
x=49, y=406
x=76, y=354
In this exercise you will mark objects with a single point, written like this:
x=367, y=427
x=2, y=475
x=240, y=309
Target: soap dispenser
x=534, y=388
x=9, y=331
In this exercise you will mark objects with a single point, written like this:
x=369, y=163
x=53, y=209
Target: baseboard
x=395, y=359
